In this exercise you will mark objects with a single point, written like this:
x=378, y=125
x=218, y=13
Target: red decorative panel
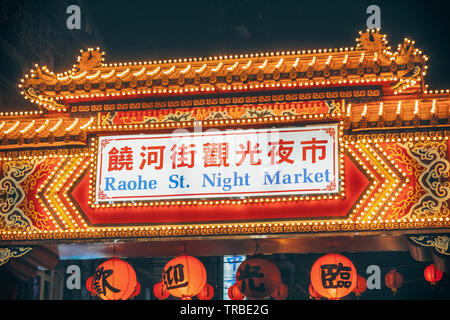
x=390, y=183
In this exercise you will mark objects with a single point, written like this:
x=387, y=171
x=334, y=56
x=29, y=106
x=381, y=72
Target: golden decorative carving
x=89, y=60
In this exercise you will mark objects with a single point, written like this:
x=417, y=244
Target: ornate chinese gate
x=390, y=135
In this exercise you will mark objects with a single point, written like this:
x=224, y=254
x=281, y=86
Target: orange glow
x=336, y=291
x=234, y=293
x=432, y=274
x=207, y=293
x=184, y=276
x=160, y=291
x=114, y=279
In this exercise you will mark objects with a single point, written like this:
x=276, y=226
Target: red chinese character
x=247, y=150
x=182, y=157
x=154, y=155
x=120, y=159
x=313, y=146
x=280, y=150
x=215, y=154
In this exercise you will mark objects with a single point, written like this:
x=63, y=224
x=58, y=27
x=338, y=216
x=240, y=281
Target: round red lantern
x=136, y=291
x=432, y=274
x=333, y=276
x=257, y=278
x=313, y=293
x=90, y=285
x=361, y=286
x=393, y=280
x=234, y=293
x=160, y=291
x=281, y=293
x=184, y=276
x=207, y=292
x=114, y=279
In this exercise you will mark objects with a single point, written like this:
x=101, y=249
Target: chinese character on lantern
x=247, y=275
x=315, y=146
x=173, y=277
x=251, y=151
x=183, y=156
x=333, y=276
x=331, y=272
x=184, y=276
x=114, y=279
x=215, y=154
x=152, y=155
x=281, y=150
x=101, y=283
x=258, y=278
x=120, y=159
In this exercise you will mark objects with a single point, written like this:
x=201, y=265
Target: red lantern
x=361, y=286
x=90, y=286
x=234, y=293
x=207, y=293
x=160, y=291
x=313, y=293
x=258, y=278
x=281, y=293
x=333, y=276
x=136, y=291
x=114, y=279
x=393, y=280
x=432, y=274
x=184, y=276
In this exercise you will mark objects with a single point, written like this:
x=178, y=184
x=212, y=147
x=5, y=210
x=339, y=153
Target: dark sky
x=145, y=30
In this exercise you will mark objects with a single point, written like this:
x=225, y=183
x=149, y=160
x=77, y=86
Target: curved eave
x=427, y=111
x=404, y=112
x=25, y=131
x=328, y=67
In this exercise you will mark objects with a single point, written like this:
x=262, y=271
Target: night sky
x=147, y=30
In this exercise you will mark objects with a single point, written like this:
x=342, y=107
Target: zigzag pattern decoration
x=390, y=183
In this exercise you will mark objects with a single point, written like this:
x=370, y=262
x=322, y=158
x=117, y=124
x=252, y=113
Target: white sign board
x=230, y=266
x=218, y=164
